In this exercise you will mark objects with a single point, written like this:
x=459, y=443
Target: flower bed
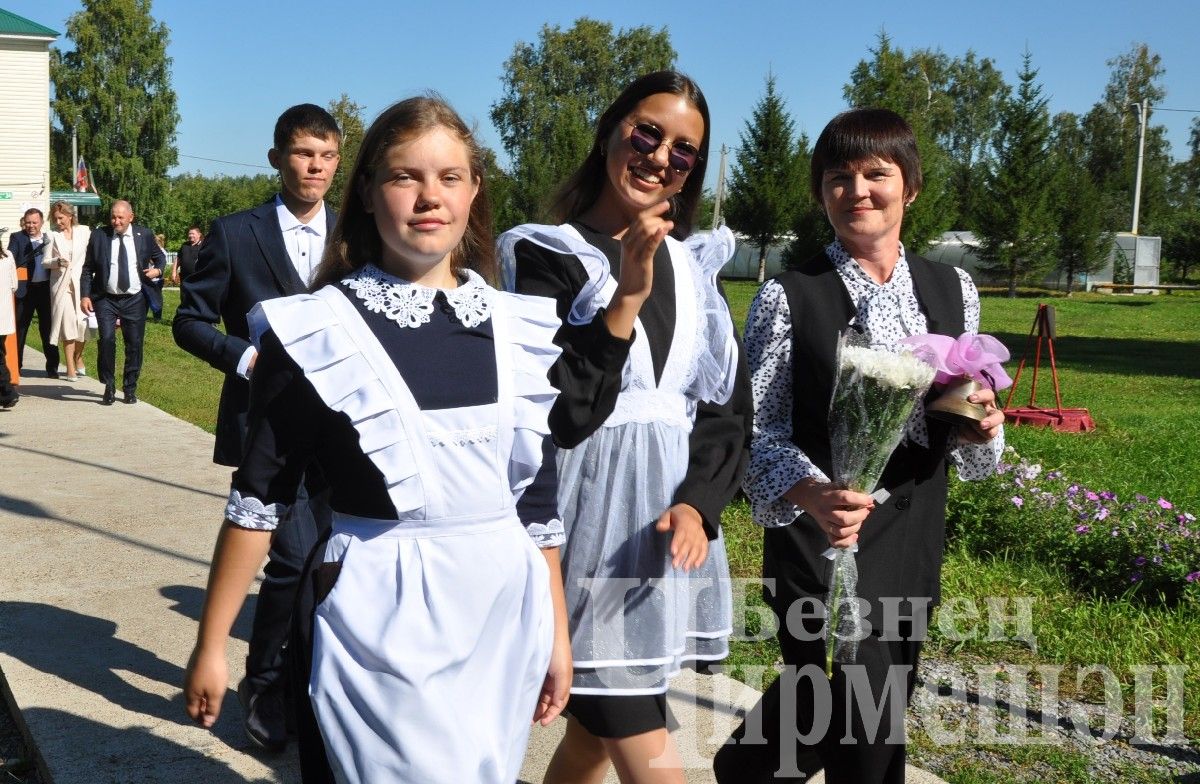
x=1139, y=546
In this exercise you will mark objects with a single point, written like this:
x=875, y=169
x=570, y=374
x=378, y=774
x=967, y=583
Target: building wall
x=24, y=128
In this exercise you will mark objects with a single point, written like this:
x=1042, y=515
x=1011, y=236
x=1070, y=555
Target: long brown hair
x=355, y=239
x=583, y=188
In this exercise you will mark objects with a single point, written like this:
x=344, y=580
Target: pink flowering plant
x=1141, y=545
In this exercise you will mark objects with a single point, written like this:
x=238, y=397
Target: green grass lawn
x=1134, y=362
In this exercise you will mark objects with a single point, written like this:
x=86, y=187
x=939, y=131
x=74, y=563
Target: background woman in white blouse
x=865, y=172
x=68, y=246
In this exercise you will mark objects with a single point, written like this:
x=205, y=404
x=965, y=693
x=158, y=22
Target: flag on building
x=83, y=178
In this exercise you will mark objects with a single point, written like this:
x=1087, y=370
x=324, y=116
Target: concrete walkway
x=108, y=517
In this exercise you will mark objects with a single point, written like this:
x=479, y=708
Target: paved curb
x=108, y=516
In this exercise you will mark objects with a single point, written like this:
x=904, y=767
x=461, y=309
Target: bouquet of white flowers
x=873, y=396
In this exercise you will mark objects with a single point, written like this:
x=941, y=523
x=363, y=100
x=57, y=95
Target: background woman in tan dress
x=68, y=246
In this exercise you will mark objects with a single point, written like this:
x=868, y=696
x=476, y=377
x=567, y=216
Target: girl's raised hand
x=638, y=246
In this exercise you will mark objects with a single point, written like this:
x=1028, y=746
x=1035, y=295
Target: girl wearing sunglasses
x=652, y=422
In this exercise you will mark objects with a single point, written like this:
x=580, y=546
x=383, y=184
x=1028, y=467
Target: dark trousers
x=36, y=301
x=305, y=523
x=154, y=299
x=857, y=747
x=131, y=309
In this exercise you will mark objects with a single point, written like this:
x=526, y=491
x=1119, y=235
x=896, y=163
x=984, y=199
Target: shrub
x=1142, y=546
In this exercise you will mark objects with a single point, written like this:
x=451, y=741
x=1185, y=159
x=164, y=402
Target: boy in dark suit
x=121, y=261
x=266, y=252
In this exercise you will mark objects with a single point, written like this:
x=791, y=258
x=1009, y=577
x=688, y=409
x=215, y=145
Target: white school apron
x=430, y=651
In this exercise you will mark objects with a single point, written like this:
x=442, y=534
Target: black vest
x=900, y=545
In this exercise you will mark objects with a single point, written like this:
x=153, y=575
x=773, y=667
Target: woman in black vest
x=865, y=172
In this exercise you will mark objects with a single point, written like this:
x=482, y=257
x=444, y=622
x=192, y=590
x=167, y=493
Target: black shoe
x=130, y=398
x=51, y=374
x=10, y=400
x=110, y=397
x=263, y=717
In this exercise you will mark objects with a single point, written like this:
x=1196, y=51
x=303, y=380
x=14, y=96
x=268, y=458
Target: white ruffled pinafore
x=431, y=649
x=634, y=618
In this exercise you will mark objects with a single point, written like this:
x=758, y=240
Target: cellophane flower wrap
x=873, y=397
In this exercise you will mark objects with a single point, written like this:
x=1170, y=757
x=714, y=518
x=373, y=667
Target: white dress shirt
x=305, y=242
x=135, y=280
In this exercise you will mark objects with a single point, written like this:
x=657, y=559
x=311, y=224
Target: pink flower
x=1193, y=577
x=1082, y=529
x=1092, y=496
x=1102, y=513
x=1018, y=501
x=1165, y=504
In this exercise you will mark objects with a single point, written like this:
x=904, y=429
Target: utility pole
x=720, y=194
x=74, y=159
x=1143, y=109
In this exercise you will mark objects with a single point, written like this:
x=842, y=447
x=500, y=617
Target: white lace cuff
x=251, y=513
x=548, y=534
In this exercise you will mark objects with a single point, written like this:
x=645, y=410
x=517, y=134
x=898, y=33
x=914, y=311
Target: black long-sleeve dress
x=659, y=420
x=426, y=410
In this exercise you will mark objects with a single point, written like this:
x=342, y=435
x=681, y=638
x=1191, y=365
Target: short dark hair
x=196, y=226
x=862, y=134
x=308, y=119
x=583, y=188
x=355, y=241
x=32, y=210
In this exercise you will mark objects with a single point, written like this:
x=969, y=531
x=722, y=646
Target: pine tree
x=810, y=226
x=915, y=86
x=978, y=90
x=114, y=89
x=1016, y=223
x=765, y=184
x=1082, y=244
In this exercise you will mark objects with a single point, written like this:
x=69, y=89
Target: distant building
x=24, y=117
x=1137, y=256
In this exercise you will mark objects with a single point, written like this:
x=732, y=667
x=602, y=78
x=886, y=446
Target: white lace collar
x=409, y=304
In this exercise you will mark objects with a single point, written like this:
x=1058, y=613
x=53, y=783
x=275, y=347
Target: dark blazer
x=94, y=283
x=243, y=261
x=901, y=542
x=187, y=258
x=20, y=245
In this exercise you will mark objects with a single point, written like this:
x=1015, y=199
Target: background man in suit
x=263, y=253
x=120, y=261
x=153, y=291
x=189, y=254
x=33, y=295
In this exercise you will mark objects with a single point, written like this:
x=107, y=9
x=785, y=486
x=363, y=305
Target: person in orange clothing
x=8, y=323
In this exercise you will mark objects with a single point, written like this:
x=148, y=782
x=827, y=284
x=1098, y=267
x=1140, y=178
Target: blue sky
x=238, y=63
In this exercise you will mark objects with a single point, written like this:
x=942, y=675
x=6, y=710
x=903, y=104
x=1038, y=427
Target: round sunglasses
x=645, y=139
